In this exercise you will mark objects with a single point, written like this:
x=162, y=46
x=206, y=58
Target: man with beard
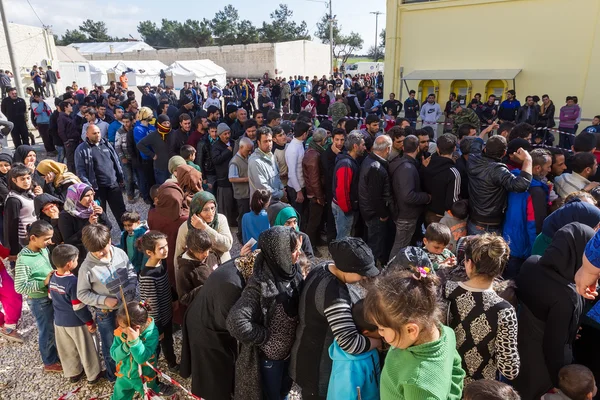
x=328, y=166
x=180, y=137
x=237, y=128
x=187, y=103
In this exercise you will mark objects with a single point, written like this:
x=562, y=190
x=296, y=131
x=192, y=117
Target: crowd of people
x=455, y=249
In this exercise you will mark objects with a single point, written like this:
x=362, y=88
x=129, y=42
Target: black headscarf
x=276, y=254
x=565, y=253
x=21, y=153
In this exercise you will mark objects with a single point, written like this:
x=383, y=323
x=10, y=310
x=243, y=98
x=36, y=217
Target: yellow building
x=490, y=46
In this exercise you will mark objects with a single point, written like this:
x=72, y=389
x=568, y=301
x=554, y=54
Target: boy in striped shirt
x=73, y=323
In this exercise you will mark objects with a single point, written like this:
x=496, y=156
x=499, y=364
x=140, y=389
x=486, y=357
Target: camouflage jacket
x=467, y=116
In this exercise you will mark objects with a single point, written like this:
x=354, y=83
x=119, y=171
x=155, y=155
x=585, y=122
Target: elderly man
x=222, y=153
x=237, y=128
x=313, y=181
x=97, y=164
x=238, y=176
x=375, y=198
x=263, y=171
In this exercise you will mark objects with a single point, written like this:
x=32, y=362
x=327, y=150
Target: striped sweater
x=31, y=270
x=156, y=291
x=68, y=309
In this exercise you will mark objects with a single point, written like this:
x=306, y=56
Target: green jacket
x=467, y=116
x=31, y=270
x=337, y=111
x=430, y=371
x=129, y=355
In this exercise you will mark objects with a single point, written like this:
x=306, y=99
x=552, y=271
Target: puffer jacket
x=409, y=199
x=313, y=177
x=374, y=192
x=489, y=184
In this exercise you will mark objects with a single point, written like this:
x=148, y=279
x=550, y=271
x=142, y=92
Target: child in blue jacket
x=134, y=229
x=351, y=372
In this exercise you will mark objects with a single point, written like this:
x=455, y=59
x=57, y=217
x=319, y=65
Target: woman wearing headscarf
x=208, y=351
x=283, y=214
x=166, y=217
x=174, y=163
x=204, y=215
x=265, y=318
x=550, y=310
x=56, y=178
x=189, y=180
x=78, y=211
x=27, y=155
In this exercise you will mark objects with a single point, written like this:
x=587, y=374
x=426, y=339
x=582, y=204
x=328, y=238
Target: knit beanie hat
x=162, y=129
x=222, y=128
x=352, y=255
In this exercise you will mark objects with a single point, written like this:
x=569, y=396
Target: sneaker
x=165, y=389
x=96, y=379
x=11, y=334
x=53, y=368
x=76, y=378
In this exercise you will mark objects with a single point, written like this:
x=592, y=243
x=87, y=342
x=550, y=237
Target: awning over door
x=455, y=74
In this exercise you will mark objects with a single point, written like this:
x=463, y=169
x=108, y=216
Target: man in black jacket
x=409, y=199
x=180, y=137
x=411, y=108
x=392, y=105
x=490, y=181
x=15, y=110
x=489, y=111
x=441, y=179
x=186, y=105
x=375, y=198
x=222, y=153
x=237, y=128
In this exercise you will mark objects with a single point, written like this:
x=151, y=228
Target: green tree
x=376, y=56
x=343, y=45
x=282, y=28
x=72, y=36
x=174, y=34
x=382, y=38
x=225, y=26
x=95, y=30
x=247, y=33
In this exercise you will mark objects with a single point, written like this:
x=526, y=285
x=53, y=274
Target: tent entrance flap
x=461, y=74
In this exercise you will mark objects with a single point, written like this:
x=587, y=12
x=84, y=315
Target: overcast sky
x=122, y=16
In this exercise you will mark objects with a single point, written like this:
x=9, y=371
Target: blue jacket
x=138, y=256
x=84, y=163
x=139, y=132
x=522, y=212
x=112, y=130
x=351, y=371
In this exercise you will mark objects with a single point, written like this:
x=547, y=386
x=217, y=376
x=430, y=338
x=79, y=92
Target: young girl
x=134, y=344
x=156, y=290
x=423, y=362
x=32, y=275
x=19, y=209
x=256, y=221
x=485, y=324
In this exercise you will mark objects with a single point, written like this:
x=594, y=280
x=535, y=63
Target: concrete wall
x=556, y=43
x=251, y=60
x=31, y=44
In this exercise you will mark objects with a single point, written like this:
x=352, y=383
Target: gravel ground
x=21, y=369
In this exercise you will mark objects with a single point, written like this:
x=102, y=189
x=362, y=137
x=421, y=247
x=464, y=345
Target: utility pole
x=377, y=13
x=11, y=54
x=331, y=20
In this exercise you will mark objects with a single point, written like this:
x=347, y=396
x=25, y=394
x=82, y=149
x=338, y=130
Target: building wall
x=251, y=60
x=31, y=45
x=302, y=58
x=556, y=43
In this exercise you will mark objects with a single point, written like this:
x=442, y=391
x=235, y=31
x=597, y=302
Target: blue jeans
x=60, y=154
x=343, y=222
x=107, y=324
x=413, y=122
x=44, y=318
x=276, y=381
x=160, y=176
x=479, y=229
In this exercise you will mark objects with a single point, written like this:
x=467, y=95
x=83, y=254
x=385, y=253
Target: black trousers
x=48, y=144
x=20, y=133
x=70, y=148
x=315, y=215
x=243, y=206
x=114, y=197
x=165, y=333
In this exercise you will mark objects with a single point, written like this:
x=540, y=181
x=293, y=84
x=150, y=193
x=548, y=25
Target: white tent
x=139, y=72
x=199, y=70
x=110, y=47
x=72, y=67
x=100, y=71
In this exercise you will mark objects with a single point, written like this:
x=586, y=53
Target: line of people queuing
x=256, y=323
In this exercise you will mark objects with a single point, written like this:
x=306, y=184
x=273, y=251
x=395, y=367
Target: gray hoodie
x=98, y=279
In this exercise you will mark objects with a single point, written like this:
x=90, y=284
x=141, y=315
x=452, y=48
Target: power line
x=36, y=14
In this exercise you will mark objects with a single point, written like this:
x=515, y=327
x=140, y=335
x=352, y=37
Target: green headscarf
x=198, y=202
x=285, y=214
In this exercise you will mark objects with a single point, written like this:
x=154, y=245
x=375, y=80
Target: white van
x=364, y=68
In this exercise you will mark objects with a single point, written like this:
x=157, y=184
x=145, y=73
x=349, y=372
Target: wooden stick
x=359, y=396
x=125, y=305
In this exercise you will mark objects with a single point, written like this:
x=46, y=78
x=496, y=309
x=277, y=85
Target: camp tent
x=101, y=74
x=199, y=70
x=71, y=67
x=110, y=47
x=140, y=72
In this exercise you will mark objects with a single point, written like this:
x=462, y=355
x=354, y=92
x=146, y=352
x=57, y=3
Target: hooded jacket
x=441, y=179
x=39, y=202
x=550, y=310
x=129, y=355
x=138, y=256
x=99, y=279
x=525, y=216
x=350, y=371
x=345, y=183
x=489, y=184
x=139, y=132
x=406, y=188
x=374, y=192
x=67, y=129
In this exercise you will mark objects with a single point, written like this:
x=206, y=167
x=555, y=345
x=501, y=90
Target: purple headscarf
x=73, y=202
